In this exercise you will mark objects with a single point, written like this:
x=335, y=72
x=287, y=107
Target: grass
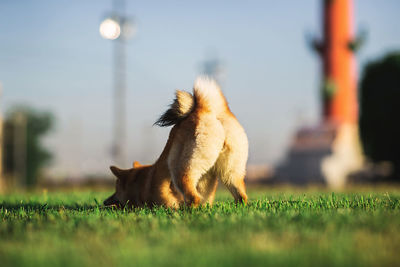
x=278, y=227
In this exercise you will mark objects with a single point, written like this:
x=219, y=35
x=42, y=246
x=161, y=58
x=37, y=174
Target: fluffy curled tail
x=209, y=96
x=179, y=109
x=206, y=96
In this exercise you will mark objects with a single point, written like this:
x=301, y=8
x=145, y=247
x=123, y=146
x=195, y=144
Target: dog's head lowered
x=122, y=194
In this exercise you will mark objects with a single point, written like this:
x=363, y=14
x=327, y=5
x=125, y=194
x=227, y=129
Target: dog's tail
x=206, y=96
x=179, y=109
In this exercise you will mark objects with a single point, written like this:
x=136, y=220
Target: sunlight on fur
x=206, y=145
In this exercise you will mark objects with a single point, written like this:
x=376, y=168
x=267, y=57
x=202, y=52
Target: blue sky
x=52, y=57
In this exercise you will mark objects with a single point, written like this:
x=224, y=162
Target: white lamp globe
x=110, y=29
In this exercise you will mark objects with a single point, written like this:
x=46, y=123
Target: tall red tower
x=329, y=151
x=339, y=82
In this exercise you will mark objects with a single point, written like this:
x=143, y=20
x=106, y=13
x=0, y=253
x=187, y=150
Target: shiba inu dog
x=206, y=143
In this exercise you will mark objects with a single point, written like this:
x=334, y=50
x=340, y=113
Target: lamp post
x=118, y=28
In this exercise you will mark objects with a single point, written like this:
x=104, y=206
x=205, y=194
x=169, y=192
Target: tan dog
x=207, y=142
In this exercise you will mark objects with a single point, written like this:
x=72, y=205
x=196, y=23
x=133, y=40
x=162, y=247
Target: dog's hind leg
x=231, y=168
x=193, y=153
x=238, y=189
x=207, y=187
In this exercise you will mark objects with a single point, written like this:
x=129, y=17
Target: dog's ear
x=112, y=200
x=119, y=173
x=136, y=164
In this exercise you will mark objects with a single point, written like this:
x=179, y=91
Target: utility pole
x=118, y=27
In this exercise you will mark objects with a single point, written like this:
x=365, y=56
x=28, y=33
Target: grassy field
x=277, y=227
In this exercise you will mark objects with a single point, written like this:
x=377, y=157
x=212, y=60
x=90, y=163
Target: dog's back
x=207, y=142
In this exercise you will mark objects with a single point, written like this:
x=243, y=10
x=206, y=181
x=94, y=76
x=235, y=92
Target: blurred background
x=82, y=83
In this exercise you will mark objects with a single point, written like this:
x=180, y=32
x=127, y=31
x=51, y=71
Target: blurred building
x=330, y=151
x=258, y=173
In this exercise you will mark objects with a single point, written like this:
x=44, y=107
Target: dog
x=205, y=143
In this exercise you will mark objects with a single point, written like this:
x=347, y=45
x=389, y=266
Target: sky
x=53, y=58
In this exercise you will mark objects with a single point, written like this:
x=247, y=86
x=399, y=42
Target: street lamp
x=110, y=29
x=118, y=28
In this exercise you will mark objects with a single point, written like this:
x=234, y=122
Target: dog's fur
x=206, y=142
